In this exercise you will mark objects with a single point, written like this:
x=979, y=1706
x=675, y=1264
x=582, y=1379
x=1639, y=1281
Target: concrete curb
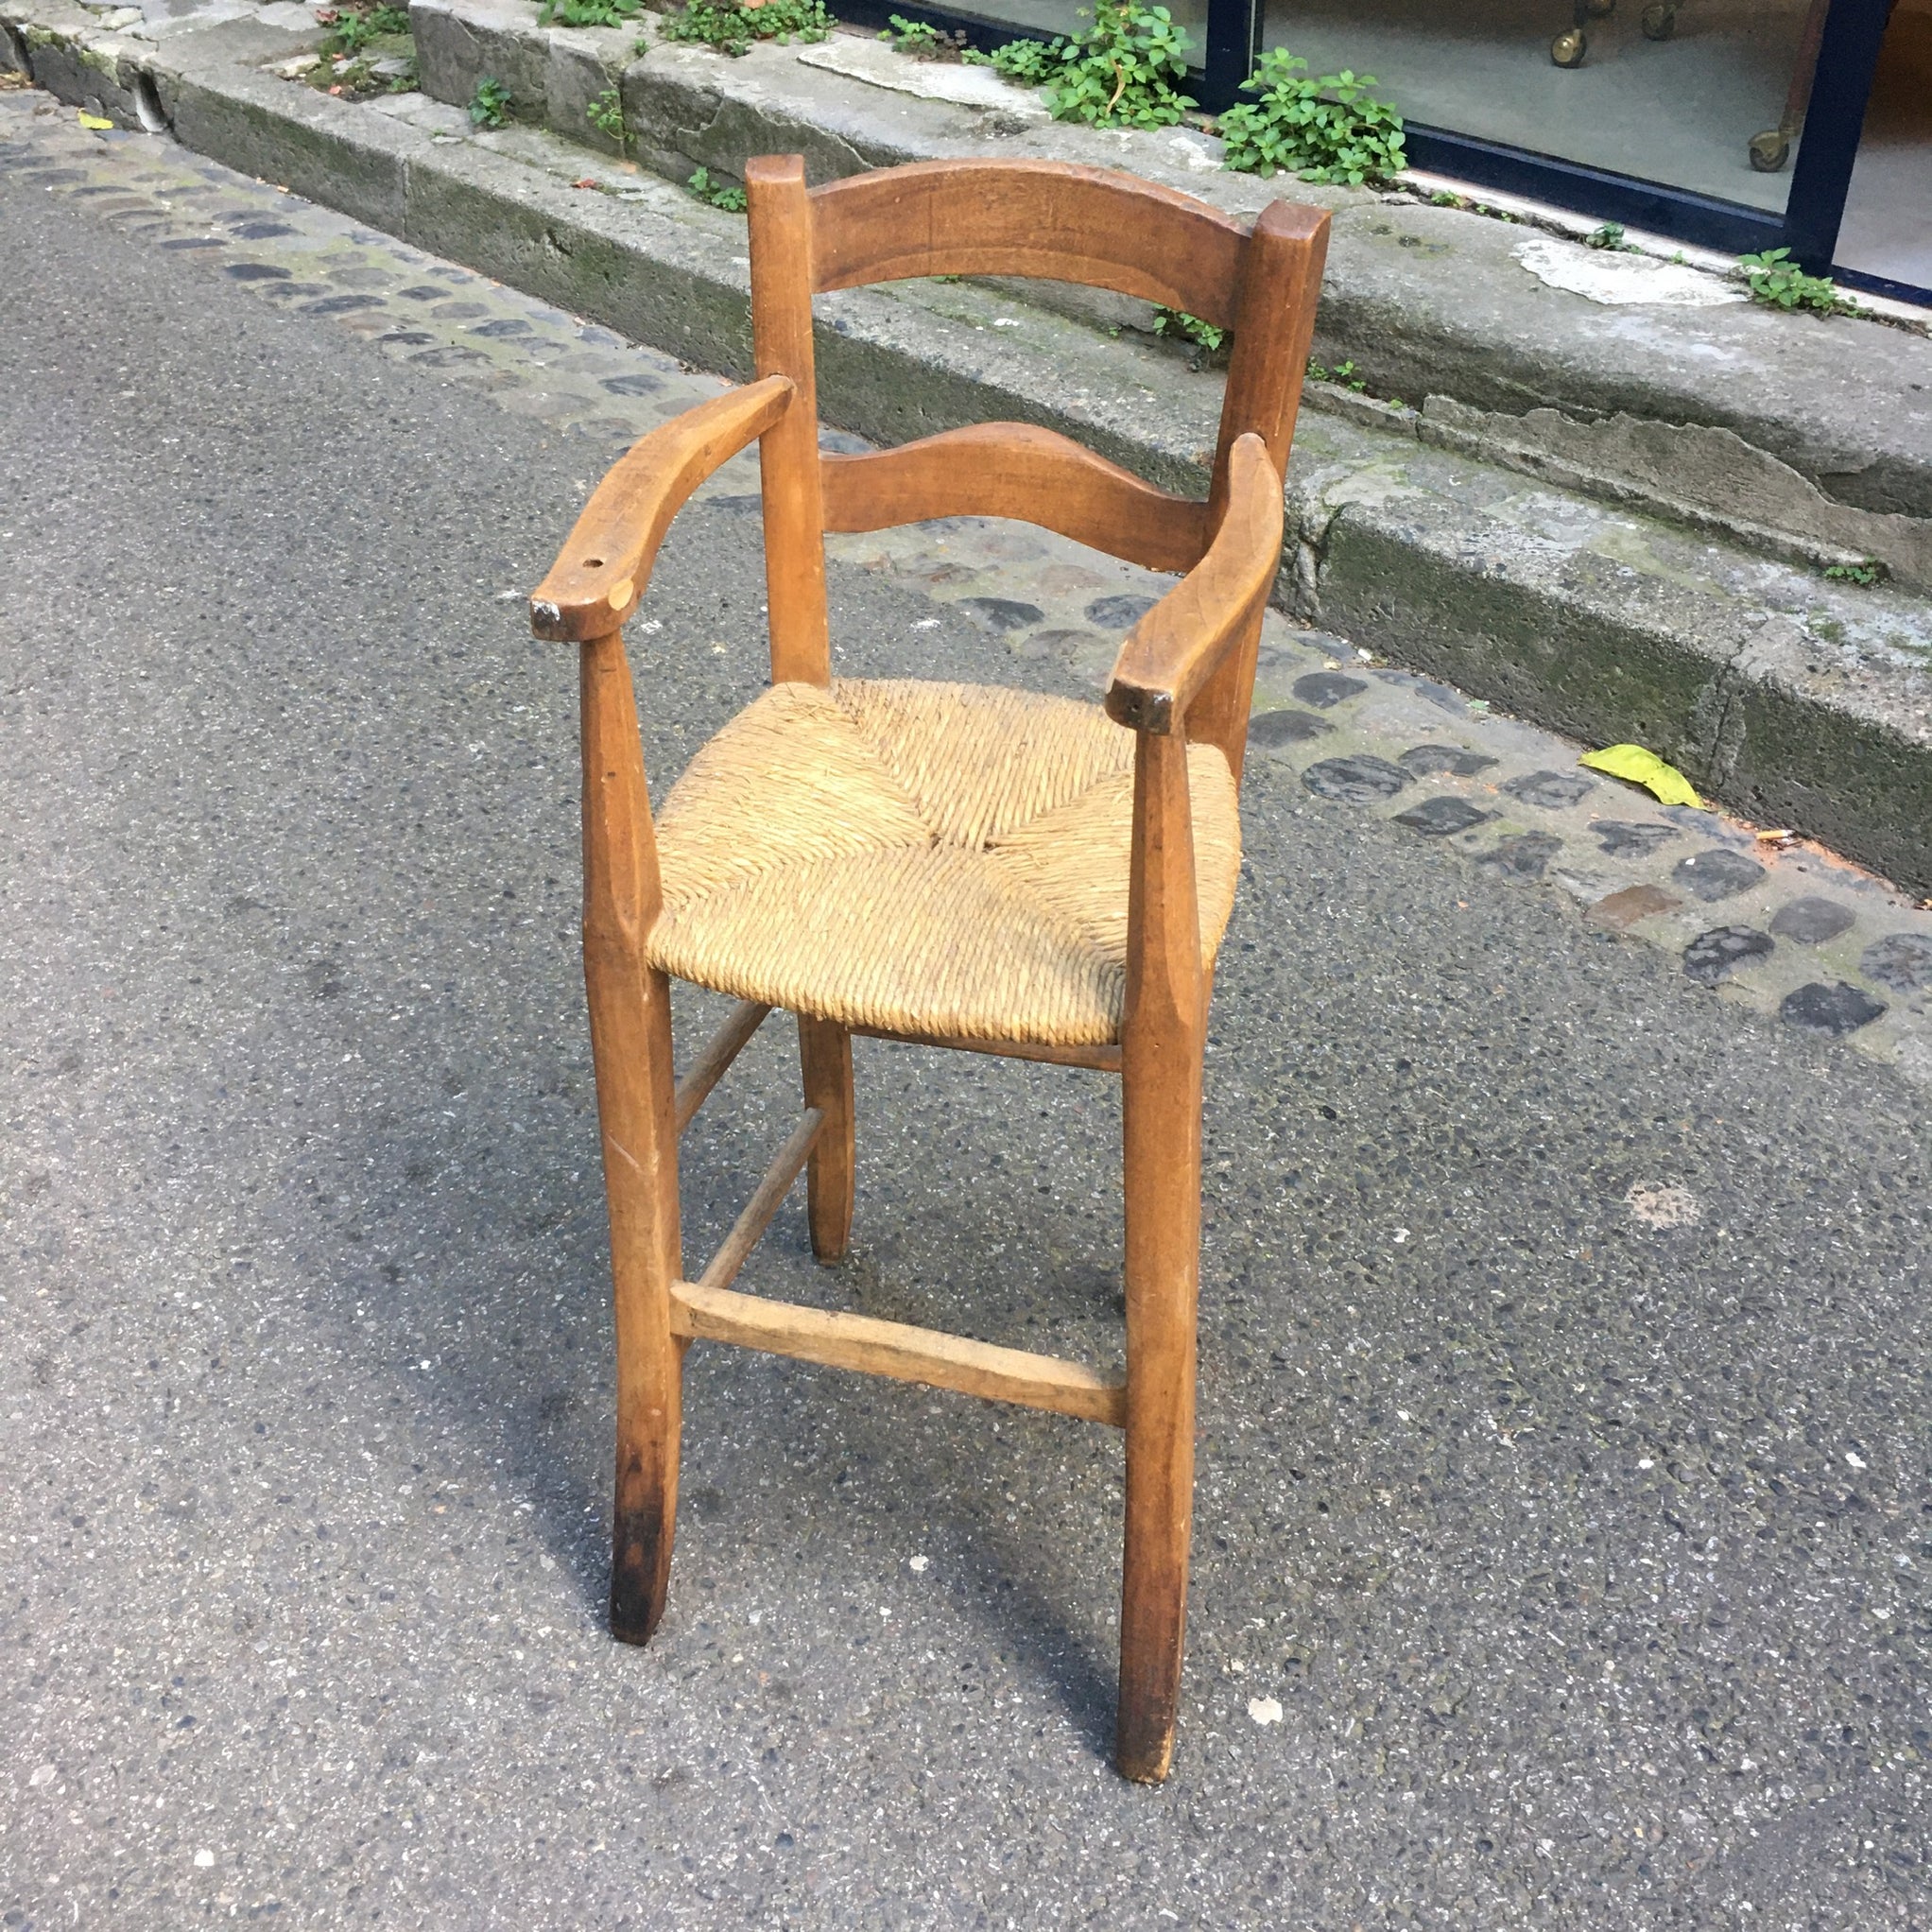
x=1797, y=702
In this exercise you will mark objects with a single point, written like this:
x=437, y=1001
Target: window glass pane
x=1888, y=225
x=1668, y=92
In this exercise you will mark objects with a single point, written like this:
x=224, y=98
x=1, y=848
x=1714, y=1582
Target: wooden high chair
x=946, y=864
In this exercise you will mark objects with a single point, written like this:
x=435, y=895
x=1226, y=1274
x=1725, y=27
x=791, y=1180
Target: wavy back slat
x=1016, y=470
x=1049, y=220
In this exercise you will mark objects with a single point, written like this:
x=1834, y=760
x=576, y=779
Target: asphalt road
x=1582, y=1545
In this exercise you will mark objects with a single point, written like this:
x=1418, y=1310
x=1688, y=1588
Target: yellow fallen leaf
x=88, y=120
x=1643, y=767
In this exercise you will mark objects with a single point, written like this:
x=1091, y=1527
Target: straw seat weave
x=925, y=858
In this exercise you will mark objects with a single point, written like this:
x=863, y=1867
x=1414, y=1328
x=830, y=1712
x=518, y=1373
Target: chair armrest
x=1175, y=648
x=601, y=571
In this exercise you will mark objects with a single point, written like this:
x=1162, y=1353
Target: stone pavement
x=1755, y=914
x=1561, y=1519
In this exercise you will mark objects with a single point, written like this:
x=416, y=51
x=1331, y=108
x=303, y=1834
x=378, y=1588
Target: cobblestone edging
x=1800, y=703
x=1771, y=924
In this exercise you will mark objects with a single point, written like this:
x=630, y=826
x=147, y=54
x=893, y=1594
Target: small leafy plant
x=715, y=194
x=1343, y=375
x=491, y=105
x=1025, y=63
x=606, y=115
x=588, y=12
x=733, y=28
x=352, y=28
x=1326, y=129
x=1610, y=236
x=1210, y=344
x=1868, y=573
x=1777, y=281
x=1119, y=74
x=918, y=40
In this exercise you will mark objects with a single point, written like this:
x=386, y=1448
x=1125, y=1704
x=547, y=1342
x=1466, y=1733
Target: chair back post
x=1274, y=325
x=780, y=216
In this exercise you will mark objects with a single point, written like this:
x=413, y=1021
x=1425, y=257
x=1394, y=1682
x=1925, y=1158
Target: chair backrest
x=1051, y=220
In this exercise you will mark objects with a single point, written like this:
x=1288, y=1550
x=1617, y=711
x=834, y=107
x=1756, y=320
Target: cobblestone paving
x=1758, y=916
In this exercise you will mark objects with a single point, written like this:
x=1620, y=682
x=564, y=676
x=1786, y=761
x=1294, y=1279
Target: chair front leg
x=630, y=1046
x=1161, y=1105
x=640, y=1185
x=825, y=1053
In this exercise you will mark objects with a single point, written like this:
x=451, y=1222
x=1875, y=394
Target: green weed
x=1343, y=375
x=732, y=29
x=1779, y=283
x=1868, y=573
x=588, y=12
x=1025, y=63
x=1610, y=236
x=1119, y=74
x=919, y=40
x=1326, y=129
x=716, y=193
x=352, y=28
x=606, y=115
x=491, y=104
x=1210, y=344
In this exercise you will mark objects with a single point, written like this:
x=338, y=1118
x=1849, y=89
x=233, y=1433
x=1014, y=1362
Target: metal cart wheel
x=1569, y=47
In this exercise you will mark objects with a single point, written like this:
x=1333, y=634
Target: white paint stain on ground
x=875, y=62
x=1666, y=1205
x=1265, y=1710
x=1608, y=276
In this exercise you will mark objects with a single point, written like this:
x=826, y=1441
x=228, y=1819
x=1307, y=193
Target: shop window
x=1702, y=96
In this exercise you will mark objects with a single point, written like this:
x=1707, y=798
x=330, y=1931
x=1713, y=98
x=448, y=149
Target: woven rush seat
x=946, y=859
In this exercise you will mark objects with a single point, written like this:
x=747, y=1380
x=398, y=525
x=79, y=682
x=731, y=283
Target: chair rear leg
x=825, y=1054
x=630, y=1030
x=1162, y=1107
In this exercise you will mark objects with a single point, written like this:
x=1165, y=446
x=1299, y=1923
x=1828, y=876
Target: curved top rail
x=1050, y=220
